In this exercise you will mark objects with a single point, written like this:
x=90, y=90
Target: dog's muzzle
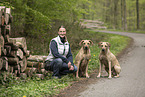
x=103, y=50
x=86, y=47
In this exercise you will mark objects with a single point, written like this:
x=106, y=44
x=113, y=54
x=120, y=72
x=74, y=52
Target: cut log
x=13, y=46
x=2, y=41
x=30, y=71
x=43, y=71
x=0, y=17
x=0, y=51
x=3, y=30
x=7, y=15
x=22, y=40
x=13, y=61
x=23, y=64
x=5, y=64
x=1, y=63
x=41, y=76
x=10, y=69
x=27, y=54
x=2, y=21
x=37, y=58
x=12, y=54
x=3, y=51
x=32, y=64
x=23, y=76
x=0, y=31
x=17, y=70
x=8, y=29
x=42, y=65
x=8, y=49
x=33, y=70
x=6, y=38
x=20, y=54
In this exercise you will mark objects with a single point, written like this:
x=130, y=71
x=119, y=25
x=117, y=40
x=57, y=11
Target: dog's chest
x=103, y=59
x=85, y=60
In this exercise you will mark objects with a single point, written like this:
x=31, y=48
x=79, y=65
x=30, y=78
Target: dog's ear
x=99, y=44
x=81, y=42
x=109, y=45
x=91, y=42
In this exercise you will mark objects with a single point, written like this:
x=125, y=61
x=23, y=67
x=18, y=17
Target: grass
x=51, y=87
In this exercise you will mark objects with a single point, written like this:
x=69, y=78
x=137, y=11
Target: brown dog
x=82, y=58
x=109, y=60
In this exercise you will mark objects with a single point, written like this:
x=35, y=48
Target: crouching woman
x=60, y=59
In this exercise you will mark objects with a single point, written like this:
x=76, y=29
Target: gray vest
x=62, y=48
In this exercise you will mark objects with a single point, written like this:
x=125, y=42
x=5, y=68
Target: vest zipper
x=64, y=49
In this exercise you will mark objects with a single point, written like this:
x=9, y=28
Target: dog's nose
x=86, y=47
x=103, y=50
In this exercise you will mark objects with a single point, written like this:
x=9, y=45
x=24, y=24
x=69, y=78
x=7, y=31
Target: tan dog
x=109, y=60
x=82, y=58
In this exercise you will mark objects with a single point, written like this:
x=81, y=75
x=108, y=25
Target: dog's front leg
x=77, y=73
x=87, y=76
x=100, y=70
x=110, y=70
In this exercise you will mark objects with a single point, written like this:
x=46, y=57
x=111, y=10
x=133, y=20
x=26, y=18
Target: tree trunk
x=137, y=11
x=125, y=15
x=115, y=13
x=122, y=18
x=23, y=64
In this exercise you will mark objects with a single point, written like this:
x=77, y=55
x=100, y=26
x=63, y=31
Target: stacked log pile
x=15, y=59
x=35, y=66
x=13, y=51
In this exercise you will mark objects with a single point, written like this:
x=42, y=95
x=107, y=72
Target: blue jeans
x=60, y=68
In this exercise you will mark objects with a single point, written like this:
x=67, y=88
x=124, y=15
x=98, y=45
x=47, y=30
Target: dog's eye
x=84, y=43
x=88, y=43
x=105, y=45
x=102, y=45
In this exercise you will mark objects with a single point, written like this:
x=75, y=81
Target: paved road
x=131, y=82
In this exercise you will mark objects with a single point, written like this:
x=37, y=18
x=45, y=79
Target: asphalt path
x=131, y=82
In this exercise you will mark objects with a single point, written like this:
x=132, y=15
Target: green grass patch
x=50, y=87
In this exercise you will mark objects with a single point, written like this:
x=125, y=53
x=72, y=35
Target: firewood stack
x=13, y=51
x=35, y=66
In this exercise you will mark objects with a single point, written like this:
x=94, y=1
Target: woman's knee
x=58, y=61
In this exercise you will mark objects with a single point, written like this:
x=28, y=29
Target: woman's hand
x=70, y=66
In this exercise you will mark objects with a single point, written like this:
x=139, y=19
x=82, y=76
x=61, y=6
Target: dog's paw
x=109, y=77
x=77, y=77
x=117, y=76
x=87, y=76
x=98, y=76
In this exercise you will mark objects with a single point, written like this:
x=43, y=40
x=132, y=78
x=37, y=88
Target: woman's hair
x=60, y=27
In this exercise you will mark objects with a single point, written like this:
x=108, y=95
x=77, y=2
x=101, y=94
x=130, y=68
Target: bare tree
x=125, y=15
x=122, y=18
x=137, y=11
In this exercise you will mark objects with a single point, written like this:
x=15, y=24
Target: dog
x=82, y=58
x=109, y=60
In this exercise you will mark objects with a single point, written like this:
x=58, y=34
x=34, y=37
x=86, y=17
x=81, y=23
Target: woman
x=60, y=59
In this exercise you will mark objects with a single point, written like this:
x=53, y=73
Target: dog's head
x=86, y=44
x=104, y=46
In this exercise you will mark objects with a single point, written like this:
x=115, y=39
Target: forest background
x=38, y=20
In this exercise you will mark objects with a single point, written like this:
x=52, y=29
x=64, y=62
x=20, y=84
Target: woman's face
x=62, y=32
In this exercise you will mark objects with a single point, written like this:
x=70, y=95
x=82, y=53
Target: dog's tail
x=117, y=69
